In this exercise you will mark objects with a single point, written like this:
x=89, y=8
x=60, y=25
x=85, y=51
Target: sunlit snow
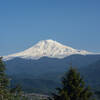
x=48, y=48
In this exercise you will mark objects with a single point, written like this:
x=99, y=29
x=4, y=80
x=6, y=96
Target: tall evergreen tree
x=5, y=92
x=4, y=82
x=73, y=88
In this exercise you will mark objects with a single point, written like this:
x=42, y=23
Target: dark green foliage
x=5, y=92
x=17, y=93
x=4, y=82
x=16, y=90
x=73, y=88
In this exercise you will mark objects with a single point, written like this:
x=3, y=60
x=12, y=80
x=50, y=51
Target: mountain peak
x=48, y=48
x=46, y=41
x=49, y=41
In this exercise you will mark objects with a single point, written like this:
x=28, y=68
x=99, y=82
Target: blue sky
x=23, y=23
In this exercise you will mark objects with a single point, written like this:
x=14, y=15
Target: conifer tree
x=5, y=92
x=4, y=82
x=73, y=88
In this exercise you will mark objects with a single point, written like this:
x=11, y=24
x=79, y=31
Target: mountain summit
x=48, y=48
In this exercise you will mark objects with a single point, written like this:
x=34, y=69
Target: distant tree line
x=73, y=87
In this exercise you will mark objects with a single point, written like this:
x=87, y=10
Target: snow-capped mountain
x=48, y=48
